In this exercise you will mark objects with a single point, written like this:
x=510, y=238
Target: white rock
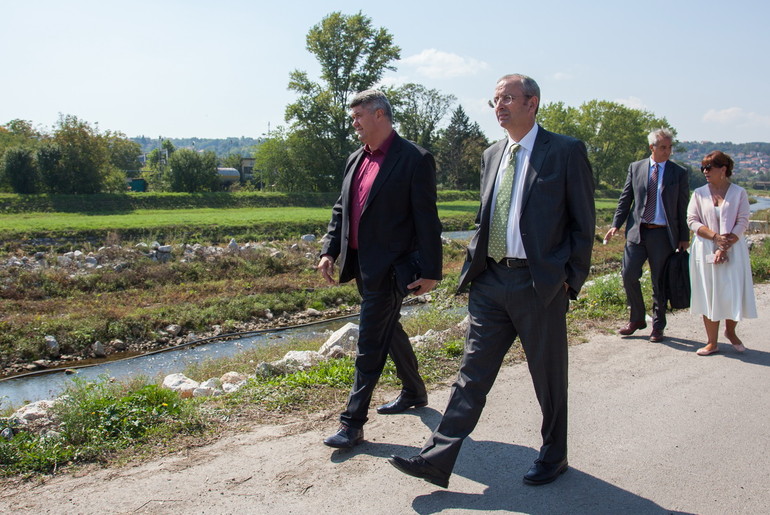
x=346, y=337
x=232, y=378
x=173, y=329
x=295, y=360
x=233, y=387
x=180, y=383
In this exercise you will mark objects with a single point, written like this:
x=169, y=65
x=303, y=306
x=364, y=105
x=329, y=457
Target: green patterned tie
x=498, y=230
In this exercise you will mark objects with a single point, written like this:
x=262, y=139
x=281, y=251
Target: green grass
x=98, y=419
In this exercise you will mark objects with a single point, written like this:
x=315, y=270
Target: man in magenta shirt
x=386, y=211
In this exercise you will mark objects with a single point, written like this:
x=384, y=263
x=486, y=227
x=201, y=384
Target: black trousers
x=380, y=335
x=655, y=247
x=503, y=304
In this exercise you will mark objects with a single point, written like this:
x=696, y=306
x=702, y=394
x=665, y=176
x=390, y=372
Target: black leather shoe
x=417, y=466
x=631, y=327
x=345, y=437
x=544, y=473
x=402, y=403
x=657, y=336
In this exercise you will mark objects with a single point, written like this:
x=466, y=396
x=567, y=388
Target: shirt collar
x=653, y=163
x=527, y=142
x=384, y=147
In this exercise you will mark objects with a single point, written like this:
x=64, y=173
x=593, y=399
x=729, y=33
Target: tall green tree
x=123, y=153
x=77, y=159
x=459, y=150
x=353, y=56
x=615, y=135
x=21, y=170
x=193, y=172
x=418, y=112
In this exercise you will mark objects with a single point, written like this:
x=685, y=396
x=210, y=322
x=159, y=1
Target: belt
x=652, y=226
x=512, y=262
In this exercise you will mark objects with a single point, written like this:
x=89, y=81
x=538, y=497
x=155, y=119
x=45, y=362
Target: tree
x=615, y=135
x=353, y=56
x=282, y=162
x=459, y=150
x=418, y=111
x=18, y=133
x=21, y=170
x=123, y=153
x=76, y=160
x=192, y=172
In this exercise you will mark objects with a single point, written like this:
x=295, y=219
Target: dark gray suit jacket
x=399, y=216
x=558, y=219
x=675, y=195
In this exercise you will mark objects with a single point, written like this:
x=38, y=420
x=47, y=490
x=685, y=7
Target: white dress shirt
x=514, y=245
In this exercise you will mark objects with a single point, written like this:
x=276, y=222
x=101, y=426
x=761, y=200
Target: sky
x=219, y=69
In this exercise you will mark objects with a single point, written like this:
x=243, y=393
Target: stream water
x=17, y=391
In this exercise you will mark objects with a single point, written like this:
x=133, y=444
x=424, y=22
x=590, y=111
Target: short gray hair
x=659, y=134
x=528, y=85
x=373, y=99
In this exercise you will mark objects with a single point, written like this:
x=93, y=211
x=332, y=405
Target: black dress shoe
x=657, y=336
x=345, y=437
x=543, y=473
x=402, y=403
x=631, y=327
x=417, y=466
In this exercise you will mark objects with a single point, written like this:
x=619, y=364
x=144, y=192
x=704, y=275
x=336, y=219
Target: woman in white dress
x=720, y=271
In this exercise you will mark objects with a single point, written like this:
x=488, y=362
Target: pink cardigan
x=734, y=215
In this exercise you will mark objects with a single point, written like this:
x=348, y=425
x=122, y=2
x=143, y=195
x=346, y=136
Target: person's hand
x=722, y=242
x=684, y=245
x=612, y=232
x=422, y=286
x=326, y=267
x=720, y=256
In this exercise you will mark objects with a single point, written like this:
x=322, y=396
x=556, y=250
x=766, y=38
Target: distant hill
x=221, y=147
x=750, y=158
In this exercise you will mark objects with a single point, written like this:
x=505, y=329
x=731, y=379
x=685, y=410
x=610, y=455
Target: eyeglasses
x=709, y=167
x=505, y=100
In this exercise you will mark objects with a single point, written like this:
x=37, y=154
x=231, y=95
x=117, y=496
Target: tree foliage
x=418, y=112
x=353, y=55
x=615, y=135
x=193, y=172
x=21, y=170
x=459, y=150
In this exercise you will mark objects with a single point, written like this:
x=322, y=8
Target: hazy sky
x=216, y=69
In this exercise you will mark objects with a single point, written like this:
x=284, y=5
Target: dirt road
x=654, y=428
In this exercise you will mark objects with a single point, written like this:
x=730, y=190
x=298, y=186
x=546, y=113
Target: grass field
x=25, y=223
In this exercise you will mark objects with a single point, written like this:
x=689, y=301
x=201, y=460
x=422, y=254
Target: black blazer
x=399, y=216
x=558, y=217
x=675, y=194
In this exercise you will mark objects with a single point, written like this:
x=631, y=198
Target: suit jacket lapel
x=493, y=166
x=536, y=159
x=393, y=157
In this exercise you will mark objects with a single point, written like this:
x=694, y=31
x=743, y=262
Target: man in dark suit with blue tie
x=529, y=256
x=653, y=205
x=385, y=214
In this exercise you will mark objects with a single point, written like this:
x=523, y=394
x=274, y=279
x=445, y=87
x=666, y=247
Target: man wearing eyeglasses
x=529, y=256
x=653, y=205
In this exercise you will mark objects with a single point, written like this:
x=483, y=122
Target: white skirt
x=724, y=291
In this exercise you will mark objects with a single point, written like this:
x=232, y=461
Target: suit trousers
x=503, y=304
x=379, y=334
x=654, y=246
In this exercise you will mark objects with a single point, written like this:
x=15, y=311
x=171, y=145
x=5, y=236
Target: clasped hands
x=725, y=241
